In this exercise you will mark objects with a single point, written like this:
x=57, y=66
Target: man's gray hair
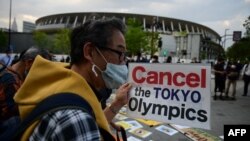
x=31, y=53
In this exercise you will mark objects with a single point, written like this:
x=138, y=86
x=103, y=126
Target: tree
x=153, y=38
x=247, y=26
x=3, y=41
x=42, y=40
x=136, y=39
x=62, y=41
x=239, y=50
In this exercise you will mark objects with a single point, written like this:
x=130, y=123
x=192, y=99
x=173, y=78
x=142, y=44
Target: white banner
x=171, y=93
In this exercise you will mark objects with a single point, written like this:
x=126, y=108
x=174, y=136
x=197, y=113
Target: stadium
x=181, y=39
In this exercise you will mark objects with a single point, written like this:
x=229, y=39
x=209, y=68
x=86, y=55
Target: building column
x=172, y=26
x=124, y=19
x=193, y=29
x=187, y=30
x=55, y=21
x=179, y=25
x=61, y=20
x=198, y=30
x=163, y=26
x=75, y=22
x=84, y=19
x=67, y=22
x=144, y=24
x=202, y=33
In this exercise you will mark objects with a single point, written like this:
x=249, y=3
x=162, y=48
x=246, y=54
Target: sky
x=218, y=15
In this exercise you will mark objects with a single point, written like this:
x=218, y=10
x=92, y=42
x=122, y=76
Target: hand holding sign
x=122, y=94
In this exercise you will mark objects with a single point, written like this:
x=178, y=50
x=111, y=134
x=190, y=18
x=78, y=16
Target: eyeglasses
x=122, y=55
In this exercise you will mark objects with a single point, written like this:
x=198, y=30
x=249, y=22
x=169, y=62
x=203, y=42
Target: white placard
x=171, y=93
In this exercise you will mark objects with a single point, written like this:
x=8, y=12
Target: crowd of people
x=226, y=77
x=97, y=65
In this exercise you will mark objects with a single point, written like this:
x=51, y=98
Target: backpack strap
x=54, y=103
x=123, y=132
x=2, y=67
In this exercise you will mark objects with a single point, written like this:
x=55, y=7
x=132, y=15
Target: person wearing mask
x=97, y=62
x=11, y=79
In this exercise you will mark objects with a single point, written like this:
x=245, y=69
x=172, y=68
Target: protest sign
x=170, y=93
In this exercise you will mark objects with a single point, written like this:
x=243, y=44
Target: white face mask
x=114, y=75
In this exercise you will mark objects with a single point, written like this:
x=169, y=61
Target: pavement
x=229, y=112
x=223, y=112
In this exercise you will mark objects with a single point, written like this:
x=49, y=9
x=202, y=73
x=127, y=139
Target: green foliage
x=57, y=43
x=3, y=40
x=203, y=55
x=62, y=41
x=153, y=37
x=136, y=39
x=240, y=50
x=247, y=26
x=42, y=40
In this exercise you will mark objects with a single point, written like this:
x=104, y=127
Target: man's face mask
x=114, y=75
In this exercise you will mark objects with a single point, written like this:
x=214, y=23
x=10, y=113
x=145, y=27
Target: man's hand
x=122, y=95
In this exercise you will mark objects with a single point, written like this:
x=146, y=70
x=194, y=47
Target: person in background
x=246, y=77
x=140, y=57
x=169, y=59
x=62, y=59
x=194, y=60
x=154, y=59
x=97, y=62
x=232, y=77
x=11, y=78
x=7, y=59
x=67, y=60
x=239, y=67
x=220, y=78
x=129, y=59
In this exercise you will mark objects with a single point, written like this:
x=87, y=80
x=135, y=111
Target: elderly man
x=97, y=62
x=11, y=78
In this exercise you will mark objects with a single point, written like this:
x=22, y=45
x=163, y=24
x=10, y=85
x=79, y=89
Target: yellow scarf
x=46, y=78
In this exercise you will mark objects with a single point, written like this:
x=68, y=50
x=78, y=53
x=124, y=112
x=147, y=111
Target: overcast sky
x=216, y=14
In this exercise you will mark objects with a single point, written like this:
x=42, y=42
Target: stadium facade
x=180, y=38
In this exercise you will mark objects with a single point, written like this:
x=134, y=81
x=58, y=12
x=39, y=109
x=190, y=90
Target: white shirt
x=6, y=60
x=246, y=70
